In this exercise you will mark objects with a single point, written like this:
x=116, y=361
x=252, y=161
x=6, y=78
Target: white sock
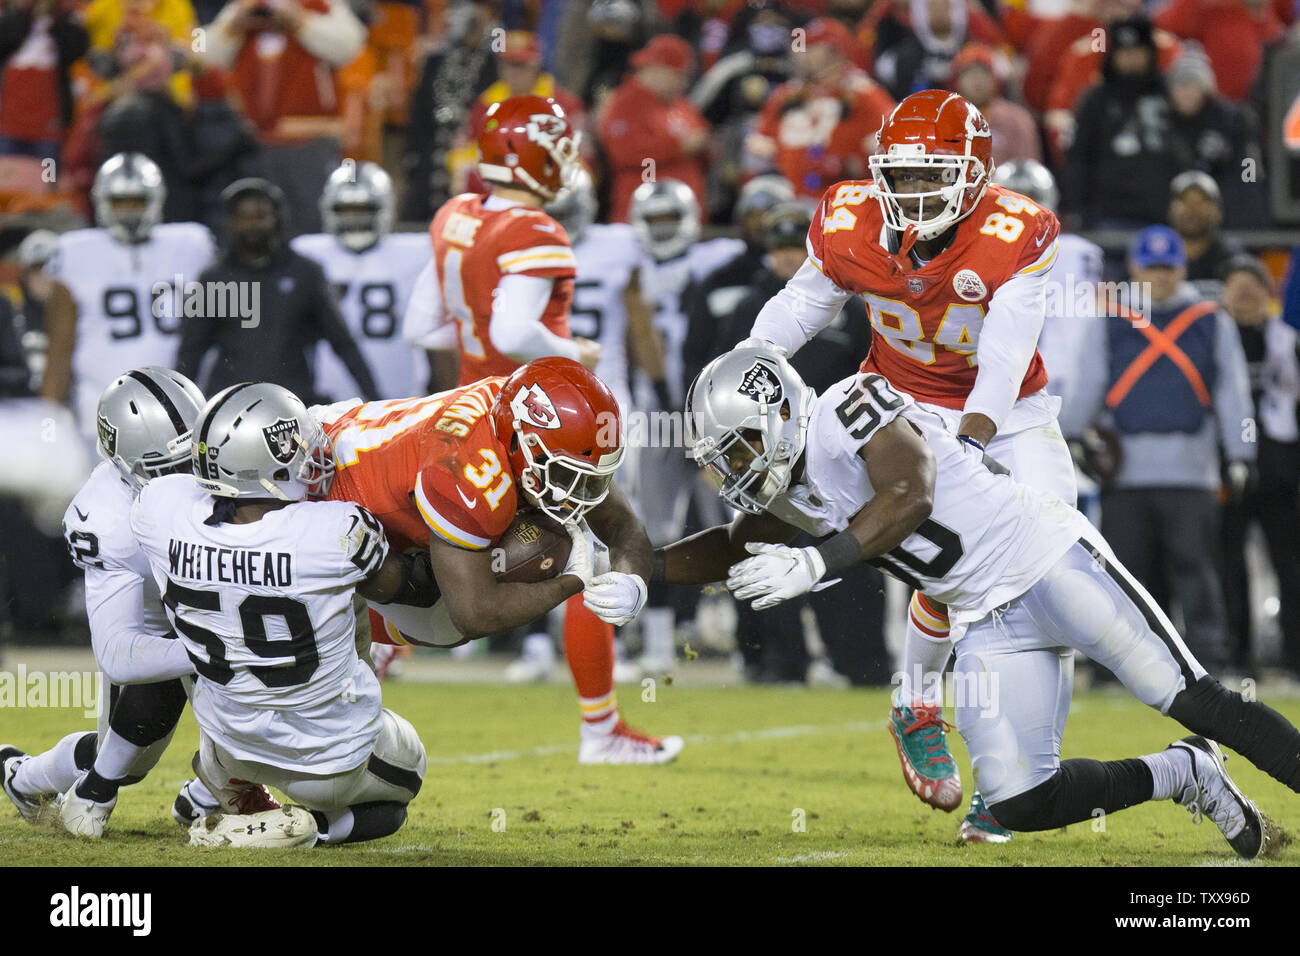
x=201, y=797
x=340, y=825
x=53, y=771
x=925, y=657
x=1171, y=772
x=538, y=647
x=600, y=728
x=657, y=633
x=116, y=756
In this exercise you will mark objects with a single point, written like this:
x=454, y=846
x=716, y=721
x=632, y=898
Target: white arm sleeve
x=224, y=45
x=808, y=303
x=1009, y=339
x=335, y=37
x=127, y=653
x=516, y=328
x=425, y=323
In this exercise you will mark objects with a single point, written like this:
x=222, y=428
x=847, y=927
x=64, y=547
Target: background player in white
x=1026, y=578
x=259, y=585
x=111, y=306
x=1072, y=282
x=373, y=271
x=666, y=217
x=143, y=423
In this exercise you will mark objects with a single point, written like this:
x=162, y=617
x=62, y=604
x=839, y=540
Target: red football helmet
x=528, y=142
x=932, y=130
x=563, y=432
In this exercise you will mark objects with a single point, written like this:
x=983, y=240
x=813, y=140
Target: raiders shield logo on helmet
x=107, y=436
x=762, y=384
x=280, y=439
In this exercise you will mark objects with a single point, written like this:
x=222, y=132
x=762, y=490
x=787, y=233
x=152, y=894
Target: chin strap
x=899, y=259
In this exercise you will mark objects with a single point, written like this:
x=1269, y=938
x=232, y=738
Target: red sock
x=589, y=648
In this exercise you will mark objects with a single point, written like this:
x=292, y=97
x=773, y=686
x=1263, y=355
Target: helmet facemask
x=139, y=471
x=964, y=179
x=564, y=487
x=316, y=469
x=749, y=465
x=358, y=227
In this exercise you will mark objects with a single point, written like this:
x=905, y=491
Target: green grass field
x=755, y=758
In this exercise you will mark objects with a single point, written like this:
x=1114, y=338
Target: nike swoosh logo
x=471, y=505
x=79, y=514
x=1039, y=241
x=550, y=228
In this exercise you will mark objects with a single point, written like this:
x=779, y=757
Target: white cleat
x=276, y=829
x=1213, y=794
x=82, y=817
x=623, y=745
x=11, y=758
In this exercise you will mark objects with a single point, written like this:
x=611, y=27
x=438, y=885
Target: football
x=534, y=548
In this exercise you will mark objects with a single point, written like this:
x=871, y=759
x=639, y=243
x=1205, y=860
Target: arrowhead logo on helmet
x=534, y=406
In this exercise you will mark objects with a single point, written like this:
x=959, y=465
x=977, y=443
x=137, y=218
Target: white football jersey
x=608, y=254
x=1071, y=299
x=265, y=609
x=988, y=538
x=373, y=288
x=126, y=302
x=663, y=284
x=97, y=529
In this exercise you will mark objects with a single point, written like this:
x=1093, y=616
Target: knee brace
x=146, y=713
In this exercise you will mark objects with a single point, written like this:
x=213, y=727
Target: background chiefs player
x=955, y=292
x=497, y=294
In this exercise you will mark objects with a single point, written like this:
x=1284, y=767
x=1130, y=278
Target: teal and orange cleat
x=928, y=767
x=979, y=825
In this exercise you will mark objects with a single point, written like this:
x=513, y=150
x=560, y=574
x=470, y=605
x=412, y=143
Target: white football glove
x=615, y=597
x=776, y=573
x=582, y=555
x=754, y=342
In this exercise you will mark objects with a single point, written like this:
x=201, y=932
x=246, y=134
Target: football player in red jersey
x=953, y=271
x=500, y=284
x=499, y=289
x=449, y=472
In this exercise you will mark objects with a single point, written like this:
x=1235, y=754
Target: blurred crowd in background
x=1177, y=113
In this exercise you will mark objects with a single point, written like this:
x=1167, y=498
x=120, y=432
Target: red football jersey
x=927, y=320
x=427, y=464
x=473, y=248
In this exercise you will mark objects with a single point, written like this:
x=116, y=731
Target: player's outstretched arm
x=901, y=468
x=616, y=524
x=480, y=605
x=707, y=556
